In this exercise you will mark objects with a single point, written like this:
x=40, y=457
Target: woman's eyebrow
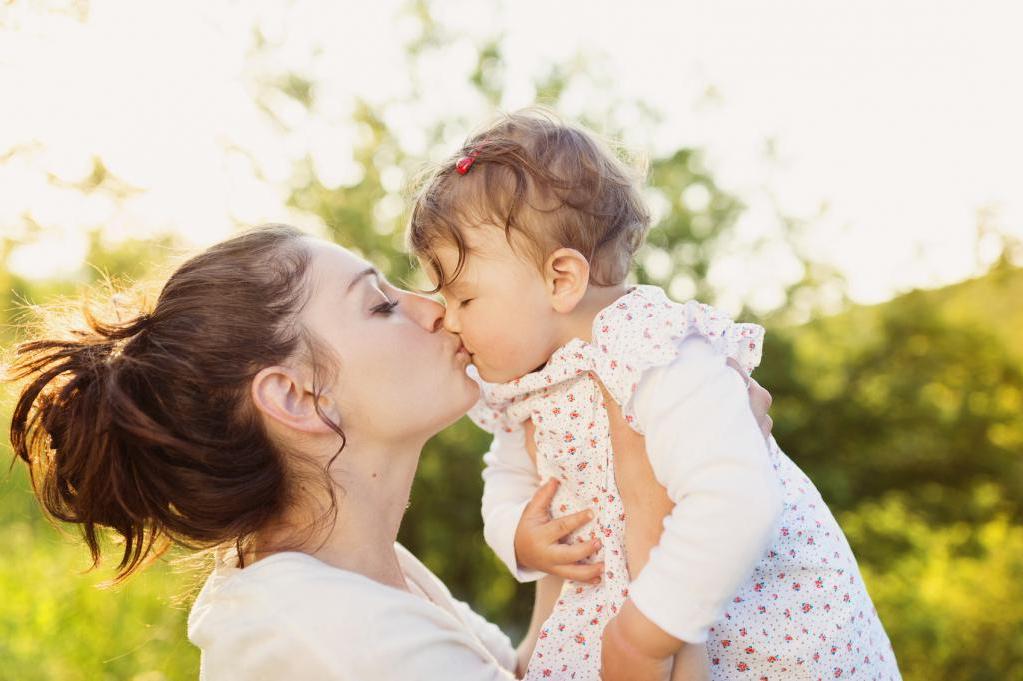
x=368, y=272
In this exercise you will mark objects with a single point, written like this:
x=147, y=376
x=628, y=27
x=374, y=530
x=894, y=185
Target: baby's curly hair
x=554, y=184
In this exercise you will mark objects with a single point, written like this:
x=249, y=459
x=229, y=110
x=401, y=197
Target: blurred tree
x=901, y=397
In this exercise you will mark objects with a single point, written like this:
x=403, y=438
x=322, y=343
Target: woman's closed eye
x=385, y=308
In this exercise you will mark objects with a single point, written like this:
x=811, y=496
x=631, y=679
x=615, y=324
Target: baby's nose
x=451, y=323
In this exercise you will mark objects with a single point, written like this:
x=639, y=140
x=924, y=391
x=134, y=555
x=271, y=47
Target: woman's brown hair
x=146, y=425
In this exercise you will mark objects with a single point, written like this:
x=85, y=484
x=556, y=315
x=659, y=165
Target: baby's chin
x=502, y=375
x=489, y=375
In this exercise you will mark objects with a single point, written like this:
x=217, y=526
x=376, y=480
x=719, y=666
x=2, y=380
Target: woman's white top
x=291, y=616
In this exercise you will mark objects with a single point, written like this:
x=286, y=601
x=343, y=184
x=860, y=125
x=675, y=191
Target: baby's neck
x=579, y=323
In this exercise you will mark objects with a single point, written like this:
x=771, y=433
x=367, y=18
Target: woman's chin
x=469, y=395
x=464, y=393
x=472, y=393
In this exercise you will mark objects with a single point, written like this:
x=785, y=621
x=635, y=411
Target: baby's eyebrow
x=457, y=286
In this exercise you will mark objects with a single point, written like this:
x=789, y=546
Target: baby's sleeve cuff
x=499, y=533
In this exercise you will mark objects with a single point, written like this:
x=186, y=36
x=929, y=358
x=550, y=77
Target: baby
x=528, y=233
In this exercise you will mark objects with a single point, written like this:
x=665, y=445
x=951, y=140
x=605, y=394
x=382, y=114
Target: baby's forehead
x=480, y=243
x=485, y=238
x=452, y=277
x=484, y=257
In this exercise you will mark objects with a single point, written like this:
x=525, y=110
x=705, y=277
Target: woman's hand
x=635, y=649
x=759, y=399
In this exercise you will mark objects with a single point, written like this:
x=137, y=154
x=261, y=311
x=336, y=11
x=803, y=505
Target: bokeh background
x=847, y=174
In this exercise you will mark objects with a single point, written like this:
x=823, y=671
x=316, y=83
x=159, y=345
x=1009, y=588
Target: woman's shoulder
x=295, y=583
x=293, y=605
x=275, y=616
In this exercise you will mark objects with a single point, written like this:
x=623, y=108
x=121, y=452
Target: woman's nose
x=427, y=312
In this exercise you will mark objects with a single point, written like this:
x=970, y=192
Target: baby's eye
x=466, y=302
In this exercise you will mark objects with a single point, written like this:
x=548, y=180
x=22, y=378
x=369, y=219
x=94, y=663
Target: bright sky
x=901, y=118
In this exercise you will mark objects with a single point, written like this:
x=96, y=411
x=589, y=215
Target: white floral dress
x=803, y=614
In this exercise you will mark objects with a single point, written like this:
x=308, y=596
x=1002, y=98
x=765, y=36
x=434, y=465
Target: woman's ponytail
x=146, y=426
x=76, y=426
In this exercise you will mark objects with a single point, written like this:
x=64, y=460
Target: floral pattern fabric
x=803, y=614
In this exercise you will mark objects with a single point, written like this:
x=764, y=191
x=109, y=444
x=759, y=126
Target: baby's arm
x=517, y=522
x=706, y=448
x=510, y=480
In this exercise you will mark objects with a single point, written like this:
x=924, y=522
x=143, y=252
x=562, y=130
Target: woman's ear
x=567, y=273
x=282, y=394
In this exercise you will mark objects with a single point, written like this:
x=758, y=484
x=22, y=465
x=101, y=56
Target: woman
x=273, y=406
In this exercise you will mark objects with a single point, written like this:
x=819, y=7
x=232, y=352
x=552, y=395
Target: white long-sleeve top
x=705, y=447
x=290, y=616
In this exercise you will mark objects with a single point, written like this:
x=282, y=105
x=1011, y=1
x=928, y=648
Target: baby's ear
x=567, y=272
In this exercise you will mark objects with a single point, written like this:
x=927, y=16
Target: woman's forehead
x=336, y=273
x=336, y=262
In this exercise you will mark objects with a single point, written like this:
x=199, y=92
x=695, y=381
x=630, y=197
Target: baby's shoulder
x=644, y=329
x=645, y=318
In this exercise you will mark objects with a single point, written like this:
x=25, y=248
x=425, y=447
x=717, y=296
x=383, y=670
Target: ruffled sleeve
x=644, y=330
x=490, y=418
x=501, y=407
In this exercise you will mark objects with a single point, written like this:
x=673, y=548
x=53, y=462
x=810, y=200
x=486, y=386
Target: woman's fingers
x=759, y=395
x=566, y=524
x=530, y=440
x=580, y=573
x=760, y=401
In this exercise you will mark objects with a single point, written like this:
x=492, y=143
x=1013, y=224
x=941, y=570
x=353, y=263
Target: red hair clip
x=463, y=164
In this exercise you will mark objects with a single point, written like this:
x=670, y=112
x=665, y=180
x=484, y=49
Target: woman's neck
x=371, y=502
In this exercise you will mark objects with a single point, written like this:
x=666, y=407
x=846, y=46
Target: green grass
x=57, y=623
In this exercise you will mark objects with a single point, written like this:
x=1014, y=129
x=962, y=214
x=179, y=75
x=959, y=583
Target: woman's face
x=401, y=376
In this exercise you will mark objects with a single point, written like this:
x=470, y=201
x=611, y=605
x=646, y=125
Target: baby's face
x=500, y=307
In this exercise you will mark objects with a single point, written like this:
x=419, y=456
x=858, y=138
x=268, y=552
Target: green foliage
x=950, y=595
x=907, y=396
x=354, y=214
x=444, y=527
